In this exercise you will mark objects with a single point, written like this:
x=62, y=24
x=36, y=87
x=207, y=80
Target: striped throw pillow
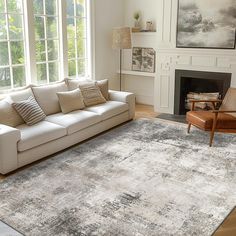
x=29, y=110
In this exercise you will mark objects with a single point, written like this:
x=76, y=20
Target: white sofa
x=24, y=144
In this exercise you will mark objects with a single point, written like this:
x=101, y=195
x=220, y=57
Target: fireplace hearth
x=187, y=82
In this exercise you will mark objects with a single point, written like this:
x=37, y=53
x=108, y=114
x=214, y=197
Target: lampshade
x=121, y=38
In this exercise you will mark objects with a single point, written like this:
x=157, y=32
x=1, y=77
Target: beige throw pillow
x=91, y=94
x=73, y=84
x=71, y=101
x=103, y=86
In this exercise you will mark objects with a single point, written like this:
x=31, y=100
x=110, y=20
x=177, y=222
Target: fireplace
x=187, y=81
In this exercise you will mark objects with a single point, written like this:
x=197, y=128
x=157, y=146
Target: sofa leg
x=189, y=127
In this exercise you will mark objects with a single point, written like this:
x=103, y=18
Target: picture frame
x=143, y=59
x=208, y=27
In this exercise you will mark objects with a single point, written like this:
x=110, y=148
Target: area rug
x=147, y=177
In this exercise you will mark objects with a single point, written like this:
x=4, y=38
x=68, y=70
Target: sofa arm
x=8, y=148
x=125, y=97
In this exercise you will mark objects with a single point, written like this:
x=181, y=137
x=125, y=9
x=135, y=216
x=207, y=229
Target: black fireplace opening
x=187, y=81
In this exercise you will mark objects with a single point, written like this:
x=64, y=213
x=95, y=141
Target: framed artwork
x=143, y=59
x=206, y=24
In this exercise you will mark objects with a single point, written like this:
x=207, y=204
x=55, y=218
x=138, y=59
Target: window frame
x=29, y=40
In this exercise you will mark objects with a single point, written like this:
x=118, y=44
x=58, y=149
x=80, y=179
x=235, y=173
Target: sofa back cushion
x=75, y=83
x=47, y=98
x=8, y=115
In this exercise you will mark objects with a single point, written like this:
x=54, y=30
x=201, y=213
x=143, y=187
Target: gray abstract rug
x=146, y=177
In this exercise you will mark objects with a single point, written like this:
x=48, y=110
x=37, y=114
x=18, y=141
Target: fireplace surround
x=198, y=81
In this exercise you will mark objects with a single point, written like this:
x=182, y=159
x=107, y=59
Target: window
x=12, y=48
x=47, y=40
x=77, y=37
x=56, y=47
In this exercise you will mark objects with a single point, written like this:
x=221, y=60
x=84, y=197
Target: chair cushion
x=204, y=120
x=75, y=121
x=109, y=109
x=46, y=96
x=38, y=134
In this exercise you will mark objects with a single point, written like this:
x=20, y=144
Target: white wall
x=107, y=15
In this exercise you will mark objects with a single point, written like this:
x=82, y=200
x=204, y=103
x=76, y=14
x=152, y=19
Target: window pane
x=80, y=8
x=39, y=27
x=14, y=6
x=51, y=7
x=70, y=7
x=81, y=28
x=19, y=76
x=15, y=26
x=42, y=73
x=40, y=51
x=52, y=50
x=81, y=45
x=4, y=59
x=72, y=68
x=51, y=27
x=71, y=48
x=81, y=67
x=5, y=78
x=17, y=52
x=3, y=32
x=2, y=6
x=53, y=71
x=70, y=28
x=38, y=7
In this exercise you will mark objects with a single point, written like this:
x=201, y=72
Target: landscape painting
x=206, y=24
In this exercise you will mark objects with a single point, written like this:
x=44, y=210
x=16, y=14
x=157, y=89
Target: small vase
x=137, y=24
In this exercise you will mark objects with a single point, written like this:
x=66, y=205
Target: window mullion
x=31, y=70
x=8, y=45
x=63, y=47
x=46, y=42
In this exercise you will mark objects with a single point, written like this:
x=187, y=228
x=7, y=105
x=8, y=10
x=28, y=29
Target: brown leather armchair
x=221, y=120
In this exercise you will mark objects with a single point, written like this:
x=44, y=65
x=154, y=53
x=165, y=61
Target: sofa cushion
x=46, y=97
x=109, y=109
x=8, y=115
x=74, y=83
x=91, y=94
x=38, y=134
x=103, y=86
x=75, y=121
x=71, y=101
x=29, y=110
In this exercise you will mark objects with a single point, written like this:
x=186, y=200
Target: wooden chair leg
x=189, y=127
x=213, y=129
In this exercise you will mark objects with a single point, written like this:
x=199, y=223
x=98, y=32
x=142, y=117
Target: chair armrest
x=8, y=148
x=125, y=97
x=212, y=101
x=221, y=111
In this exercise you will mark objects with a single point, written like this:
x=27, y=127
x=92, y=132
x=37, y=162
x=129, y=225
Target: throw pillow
x=70, y=101
x=103, y=86
x=29, y=110
x=91, y=94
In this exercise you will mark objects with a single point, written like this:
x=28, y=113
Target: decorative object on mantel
x=143, y=59
x=137, y=26
x=121, y=39
x=149, y=26
x=206, y=24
